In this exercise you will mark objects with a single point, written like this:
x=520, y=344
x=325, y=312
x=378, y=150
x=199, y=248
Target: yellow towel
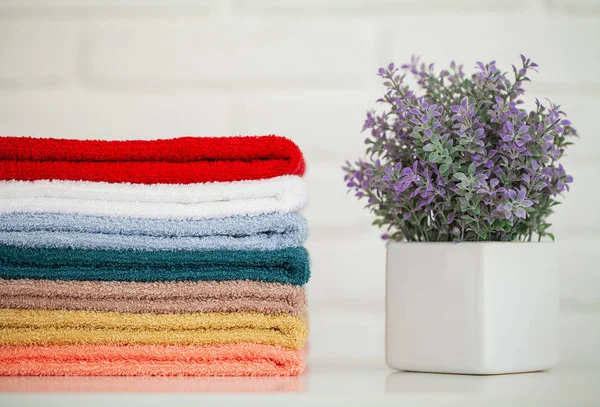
x=43, y=327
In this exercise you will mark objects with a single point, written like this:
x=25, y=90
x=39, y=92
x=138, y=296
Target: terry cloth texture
x=211, y=200
x=182, y=160
x=80, y=231
x=158, y=298
x=287, y=266
x=41, y=327
x=243, y=359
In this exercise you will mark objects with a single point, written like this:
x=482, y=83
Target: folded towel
x=288, y=266
x=210, y=200
x=80, y=231
x=243, y=359
x=158, y=298
x=40, y=327
x=182, y=160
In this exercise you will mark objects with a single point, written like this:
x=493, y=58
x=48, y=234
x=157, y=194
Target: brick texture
x=307, y=70
x=245, y=53
x=38, y=54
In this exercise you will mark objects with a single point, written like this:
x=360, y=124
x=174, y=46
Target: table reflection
x=153, y=384
x=415, y=382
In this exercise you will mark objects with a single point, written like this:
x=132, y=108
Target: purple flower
x=369, y=122
x=461, y=150
x=514, y=204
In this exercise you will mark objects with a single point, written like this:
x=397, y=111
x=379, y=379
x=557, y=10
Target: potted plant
x=463, y=178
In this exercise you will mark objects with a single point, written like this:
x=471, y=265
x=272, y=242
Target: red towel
x=182, y=160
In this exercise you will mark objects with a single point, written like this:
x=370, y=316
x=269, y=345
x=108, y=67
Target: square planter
x=472, y=308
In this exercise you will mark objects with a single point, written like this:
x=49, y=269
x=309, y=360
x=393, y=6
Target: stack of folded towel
x=164, y=257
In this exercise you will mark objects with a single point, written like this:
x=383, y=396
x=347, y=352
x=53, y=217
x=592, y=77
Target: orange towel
x=243, y=359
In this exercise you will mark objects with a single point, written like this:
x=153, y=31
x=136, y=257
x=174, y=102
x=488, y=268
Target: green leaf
x=428, y=147
x=472, y=169
x=460, y=176
x=469, y=219
x=506, y=225
x=444, y=168
x=433, y=156
x=551, y=236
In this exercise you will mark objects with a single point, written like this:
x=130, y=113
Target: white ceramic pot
x=472, y=308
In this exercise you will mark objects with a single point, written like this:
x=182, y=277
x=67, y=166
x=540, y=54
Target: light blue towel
x=82, y=231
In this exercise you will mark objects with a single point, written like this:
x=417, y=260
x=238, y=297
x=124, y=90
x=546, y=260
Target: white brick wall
x=235, y=55
x=90, y=113
x=37, y=54
x=304, y=69
x=362, y=7
x=564, y=46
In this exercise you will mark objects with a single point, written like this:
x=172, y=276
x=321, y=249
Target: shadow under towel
x=243, y=359
x=183, y=160
x=42, y=327
x=211, y=200
x=158, y=298
x=81, y=231
x=287, y=266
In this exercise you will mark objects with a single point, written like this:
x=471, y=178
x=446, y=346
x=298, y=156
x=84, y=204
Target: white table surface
x=346, y=367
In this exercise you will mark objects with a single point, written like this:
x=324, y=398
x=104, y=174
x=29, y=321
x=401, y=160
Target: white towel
x=208, y=200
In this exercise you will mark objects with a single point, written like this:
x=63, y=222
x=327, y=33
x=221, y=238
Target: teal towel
x=288, y=266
